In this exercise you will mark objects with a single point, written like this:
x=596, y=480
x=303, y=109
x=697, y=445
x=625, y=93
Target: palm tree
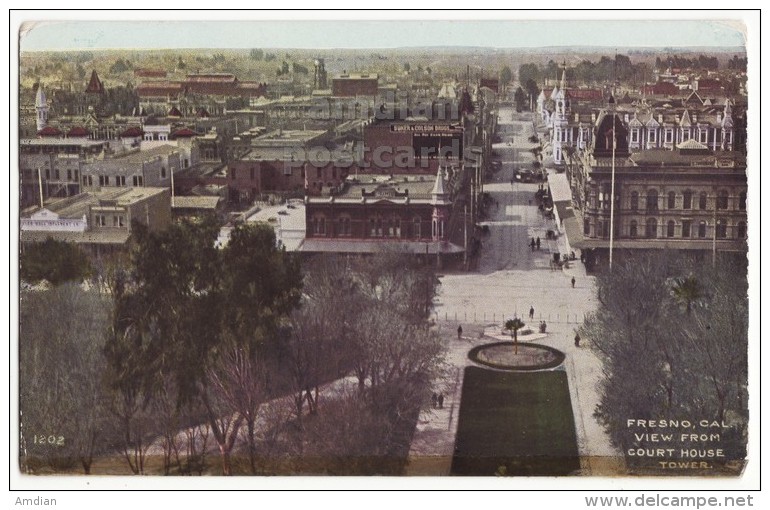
x=514, y=325
x=687, y=290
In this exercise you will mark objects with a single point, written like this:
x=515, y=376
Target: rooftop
x=78, y=205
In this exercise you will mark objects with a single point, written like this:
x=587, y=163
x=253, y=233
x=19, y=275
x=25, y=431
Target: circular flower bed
x=529, y=356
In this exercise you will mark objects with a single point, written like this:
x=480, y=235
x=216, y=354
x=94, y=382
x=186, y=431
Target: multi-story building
x=151, y=168
x=52, y=167
x=687, y=197
x=98, y=221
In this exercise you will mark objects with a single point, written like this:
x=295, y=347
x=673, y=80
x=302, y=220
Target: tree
x=506, y=75
x=661, y=360
x=514, y=325
x=687, y=291
x=407, y=67
x=62, y=402
x=256, y=54
x=54, y=261
x=520, y=98
x=529, y=72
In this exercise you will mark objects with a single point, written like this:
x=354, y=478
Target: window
x=652, y=200
x=702, y=201
x=703, y=136
x=742, y=201
x=687, y=200
x=186, y=163
x=163, y=172
x=686, y=226
x=320, y=226
x=671, y=200
x=685, y=134
x=138, y=180
x=120, y=180
x=88, y=180
x=416, y=228
x=56, y=175
x=634, y=136
x=632, y=229
x=651, y=228
x=670, y=229
x=101, y=220
x=394, y=227
x=741, y=229
x=652, y=135
x=634, y=201
x=117, y=221
x=344, y=226
x=721, y=229
x=104, y=180
x=47, y=173
x=669, y=135
x=586, y=227
x=69, y=174
x=702, y=229
x=375, y=227
x=728, y=137
x=76, y=175
x=722, y=199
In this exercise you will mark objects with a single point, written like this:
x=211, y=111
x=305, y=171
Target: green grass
x=515, y=424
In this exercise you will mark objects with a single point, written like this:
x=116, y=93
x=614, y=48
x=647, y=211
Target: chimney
x=694, y=118
x=719, y=117
x=660, y=118
x=625, y=118
x=593, y=117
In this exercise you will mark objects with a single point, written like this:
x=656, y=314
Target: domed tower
x=41, y=106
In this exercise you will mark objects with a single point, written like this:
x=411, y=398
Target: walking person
x=573, y=282
x=531, y=312
x=532, y=243
x=459, y=332
x=537, y=243
x=577, y=340
x=441, y=401
x=434, y=400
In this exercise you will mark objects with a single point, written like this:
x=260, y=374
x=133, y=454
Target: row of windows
x=120, y=180
x=722, y=200
x=72, y=174
x=376, y=227
x=101, y=220
x=683, y=134
x=688, y=229
x=286, y=171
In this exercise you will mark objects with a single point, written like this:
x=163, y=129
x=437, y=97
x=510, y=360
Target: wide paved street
x=510, y=279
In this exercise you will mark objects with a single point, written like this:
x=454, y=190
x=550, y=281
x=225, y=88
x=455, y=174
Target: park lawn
x=522, y=421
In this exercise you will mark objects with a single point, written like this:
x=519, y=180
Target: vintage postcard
x=416, y=248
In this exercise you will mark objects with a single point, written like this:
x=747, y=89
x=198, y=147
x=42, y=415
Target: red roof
x=159, y=88
x=77, y=131
x=585, y=94
x=174, y=112
x=150, y=73
x=661, y=89
x=49, y=131
x=95, y=86
x=211, y=78
x=183, y=133
x=132, y=132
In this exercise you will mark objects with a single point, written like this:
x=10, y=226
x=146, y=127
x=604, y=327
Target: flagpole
x=612, y=191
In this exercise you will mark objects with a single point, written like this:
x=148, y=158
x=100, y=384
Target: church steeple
x=440, y=202
x=41, y=106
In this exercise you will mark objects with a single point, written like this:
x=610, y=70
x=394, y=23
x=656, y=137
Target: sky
x=324, y=34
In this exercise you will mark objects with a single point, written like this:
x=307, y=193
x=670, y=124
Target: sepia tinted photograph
x=497, y=248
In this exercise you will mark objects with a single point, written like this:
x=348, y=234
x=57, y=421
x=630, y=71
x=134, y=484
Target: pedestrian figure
x=532, y=243
x=540, y=327
x=459, y=332
x=573, y=282
x=577, y=340
x=544, y=326
x=537, y=243
x=582, y=257
x=531, y=312
x=441, y=401
x=434, y=400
